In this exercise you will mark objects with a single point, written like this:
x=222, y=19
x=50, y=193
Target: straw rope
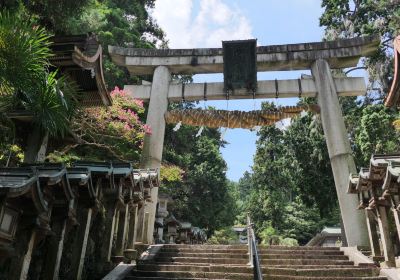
x=235, y=119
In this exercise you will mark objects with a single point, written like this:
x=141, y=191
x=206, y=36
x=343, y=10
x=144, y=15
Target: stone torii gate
x=320, y=57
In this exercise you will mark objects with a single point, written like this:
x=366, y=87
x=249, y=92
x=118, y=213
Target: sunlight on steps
x=231, y=262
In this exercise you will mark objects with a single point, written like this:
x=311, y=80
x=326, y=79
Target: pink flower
x=138, y=102
x=127, y=127
x=147, y=129
x=118, y=92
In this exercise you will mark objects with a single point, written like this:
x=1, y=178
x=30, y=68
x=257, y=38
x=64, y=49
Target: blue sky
x=205, y=23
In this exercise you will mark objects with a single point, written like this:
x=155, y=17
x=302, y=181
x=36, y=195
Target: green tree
x=353, y=18
x=204, y=196
x=26, y=83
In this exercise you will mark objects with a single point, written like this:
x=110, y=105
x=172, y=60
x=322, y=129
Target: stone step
x=245, y=247
x=285, y=277
x=262, y=255
x=304, y=252
x=209, y=260
x=163, y=278
x=196, y=267
x=198, y=247
x=206, y=250
x=299, y=271
x=189, y=265
x=244, y=251
x=332, y=272
x=302, y=256
x=201, y=262
x=194, y=274
x=305, y=262
x=300, y=248
x=203, y=255
x=249, y=276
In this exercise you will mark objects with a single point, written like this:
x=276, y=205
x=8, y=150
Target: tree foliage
x=27, y=84
x=204, y=196
x=353, y=18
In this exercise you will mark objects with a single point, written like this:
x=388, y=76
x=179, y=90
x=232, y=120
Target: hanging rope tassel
x=178, y=126
x=223, y=134
x=200, y=131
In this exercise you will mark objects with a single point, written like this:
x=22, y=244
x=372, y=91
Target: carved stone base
x=117, y=259
x=131, y=254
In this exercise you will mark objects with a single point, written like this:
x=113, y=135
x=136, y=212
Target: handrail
x=254, y=260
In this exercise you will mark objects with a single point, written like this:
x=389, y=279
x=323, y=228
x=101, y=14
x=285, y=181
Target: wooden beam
x=339, y=53
x=354, y=86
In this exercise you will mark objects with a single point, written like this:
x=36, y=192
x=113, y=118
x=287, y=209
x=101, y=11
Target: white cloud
x=207, y=26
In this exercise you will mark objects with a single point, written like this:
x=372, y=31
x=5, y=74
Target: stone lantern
x=172, y=229
x=184, y=232
x=161, y=214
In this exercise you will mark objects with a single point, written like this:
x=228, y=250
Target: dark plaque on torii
x=240, y=65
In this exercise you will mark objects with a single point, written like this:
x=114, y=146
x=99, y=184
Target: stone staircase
x=192, y=262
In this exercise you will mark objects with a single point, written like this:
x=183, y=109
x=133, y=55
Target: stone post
x=153, y=144
x=55, y=250
x=145, y=237
x=372, y=233
x=140, y=225
x=121, y=234
x=80, y=243
x=23, y=274
x=386, y=239
x=130, y=251
x=339, y=153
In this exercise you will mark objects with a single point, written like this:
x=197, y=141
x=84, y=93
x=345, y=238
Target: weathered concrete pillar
x=372, y=233
x=386, y=239
x=55, y=250
x=80, y=243
x=396, y=220
x=145, y=237
x=27, y=257
x=339, y=152
x=130, y=251
x=121, y=234
x=153, y=144
x=140, y=225
x=132, y=227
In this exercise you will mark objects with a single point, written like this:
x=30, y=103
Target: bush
x=223, y=236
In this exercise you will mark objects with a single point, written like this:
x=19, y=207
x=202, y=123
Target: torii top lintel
x=341, y=53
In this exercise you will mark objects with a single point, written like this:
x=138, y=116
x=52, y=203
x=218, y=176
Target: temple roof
x=15, y=181
x=80, y=57
x=382, y=177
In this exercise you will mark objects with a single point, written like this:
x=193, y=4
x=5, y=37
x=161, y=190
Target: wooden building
x=379, y=197
x=69, y=222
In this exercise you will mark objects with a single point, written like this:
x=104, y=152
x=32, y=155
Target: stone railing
x=67, y=223
x=378, y=189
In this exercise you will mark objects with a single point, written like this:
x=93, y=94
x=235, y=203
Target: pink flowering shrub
x=115, y=132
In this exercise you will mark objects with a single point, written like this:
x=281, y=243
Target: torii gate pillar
x=153, y=144
x=339, y=150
